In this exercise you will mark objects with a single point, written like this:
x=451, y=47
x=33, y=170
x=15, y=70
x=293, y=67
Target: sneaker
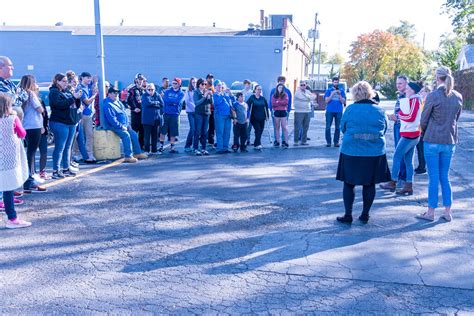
x=74, y=164
x=447, y=216
x=73, y=169
x=69, y=173
x=160, y=149
x=130, y=160
x=197, y=152
x=259, y=147
x=304, y=144
x=420, y=171
x=90, y=161
x=205, y=153
x=36, y=189
x=18, y=202
x=426, y=216
x=43, y=175
x=57, y=175
x=328, y=145
x=276, y=144
x=346, y=219
x=336, y=145
x=17, y=194
x=188, y=149
x=17, y=223
x=38, y=179
x=284, y=145
x=174, y=150
x=244, y=151
x=140, y=156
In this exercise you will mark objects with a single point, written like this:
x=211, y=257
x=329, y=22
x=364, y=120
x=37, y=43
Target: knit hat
x=217, y=82
x=414, y=86
x=178, y=80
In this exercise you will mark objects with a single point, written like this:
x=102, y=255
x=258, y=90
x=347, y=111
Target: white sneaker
x=17, y=223
x=38, y=179
x=73, y=169
x=259, y=147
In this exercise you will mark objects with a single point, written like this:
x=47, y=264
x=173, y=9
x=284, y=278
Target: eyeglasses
x=150, y=89
x=174, y=83
x=302, y=84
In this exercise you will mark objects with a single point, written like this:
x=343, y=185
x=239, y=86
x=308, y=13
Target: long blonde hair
x=443, y=73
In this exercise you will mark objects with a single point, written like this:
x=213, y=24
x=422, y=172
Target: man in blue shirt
x=87, y=99
x=282, y=80
x=335, y=98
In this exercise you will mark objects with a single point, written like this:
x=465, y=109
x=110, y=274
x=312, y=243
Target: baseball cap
x=112, y=90
x=85, y=74
x=178, y=80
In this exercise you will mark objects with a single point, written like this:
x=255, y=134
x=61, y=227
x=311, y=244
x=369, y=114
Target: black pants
x=421, y=155
x=368, y=196
x=43, y=147
x=151, y=131
x=138, y=127
x=258, y=126
x=211, y=130
x=240, y=135
x=33, y=137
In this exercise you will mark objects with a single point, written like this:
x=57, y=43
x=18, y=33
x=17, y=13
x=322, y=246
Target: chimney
x=183, y=24
x=262, y=19
x=266, y=23
x=213, y=24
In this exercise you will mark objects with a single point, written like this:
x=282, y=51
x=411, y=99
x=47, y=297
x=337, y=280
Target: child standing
x=241, y=122
x=13, y=165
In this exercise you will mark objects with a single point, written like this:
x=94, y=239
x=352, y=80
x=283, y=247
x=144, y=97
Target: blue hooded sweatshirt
x=172, y=100
x=222, y=103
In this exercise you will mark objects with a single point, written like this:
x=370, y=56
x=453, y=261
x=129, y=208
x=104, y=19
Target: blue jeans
x=201, y=128
x=404, y=152
x=63, y=137
x=192, y=128
x=223, y=125
x=129, y=141
x=9, y=205
x=81, y=141
x=402, y=174
x=330, y=116
x=438, y=160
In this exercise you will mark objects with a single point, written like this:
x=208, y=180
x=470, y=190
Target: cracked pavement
x=239, y=234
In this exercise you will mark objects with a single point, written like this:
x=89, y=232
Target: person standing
x=14, y=170
x=280, y=80
x=172, y=108
x=212, y=129
x=402, y=82
x=202, y=102
x=280, y=113
x=33, y=124
x=89, y=93
x=258, y=113
x=362, y=160
x=222, y=110
x=409, y=115
x=190, y=111
x=18, y=95
x=439, y=121
x=240, y=122
x=302, y=118
x=134, y=101
x=335, y=98
x=152, y=103
x=421, y=169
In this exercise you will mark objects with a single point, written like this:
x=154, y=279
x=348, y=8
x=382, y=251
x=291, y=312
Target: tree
x=380, y=56
x=462, y=14
x=450, y=47
x=336, y=59
x=405, y=30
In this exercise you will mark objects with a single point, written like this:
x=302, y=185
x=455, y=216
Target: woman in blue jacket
x=152, y=103
x=222, y=103
x=362, y=160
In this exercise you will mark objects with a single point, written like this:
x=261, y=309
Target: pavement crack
x=419, y=262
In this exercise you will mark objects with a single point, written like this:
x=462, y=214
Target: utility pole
x=314, y=44
x=100, y=51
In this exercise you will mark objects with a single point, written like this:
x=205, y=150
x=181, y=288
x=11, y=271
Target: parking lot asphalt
x=239, y=233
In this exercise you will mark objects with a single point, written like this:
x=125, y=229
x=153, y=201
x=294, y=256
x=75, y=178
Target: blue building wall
x=229, y=58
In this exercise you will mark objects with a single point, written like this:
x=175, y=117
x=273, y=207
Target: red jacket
x=280, y=104
x=410, y=116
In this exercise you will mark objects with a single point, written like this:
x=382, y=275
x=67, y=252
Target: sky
x=340, y=21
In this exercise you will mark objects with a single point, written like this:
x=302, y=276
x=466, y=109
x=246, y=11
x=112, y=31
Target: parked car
x=238, y=86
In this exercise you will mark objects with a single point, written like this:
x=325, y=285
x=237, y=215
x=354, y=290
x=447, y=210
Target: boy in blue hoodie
x=172, y=99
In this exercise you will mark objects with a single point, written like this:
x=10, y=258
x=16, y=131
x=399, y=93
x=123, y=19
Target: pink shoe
x=18, y=202
x=43, y=175
x=17, y=194
x=17, y=223
x=2, y=206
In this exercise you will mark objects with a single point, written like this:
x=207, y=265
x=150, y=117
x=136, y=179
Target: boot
x=390, y=185
x=407, y=189
x=346, y=219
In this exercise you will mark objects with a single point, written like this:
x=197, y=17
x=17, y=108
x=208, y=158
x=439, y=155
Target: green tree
x=405, y=30
x=462, y=14
x=336, y=59
x=450, y=46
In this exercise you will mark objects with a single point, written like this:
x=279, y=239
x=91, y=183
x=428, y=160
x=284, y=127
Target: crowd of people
x=213, y=111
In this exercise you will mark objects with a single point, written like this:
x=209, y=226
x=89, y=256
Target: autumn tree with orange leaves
x=380, y=56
